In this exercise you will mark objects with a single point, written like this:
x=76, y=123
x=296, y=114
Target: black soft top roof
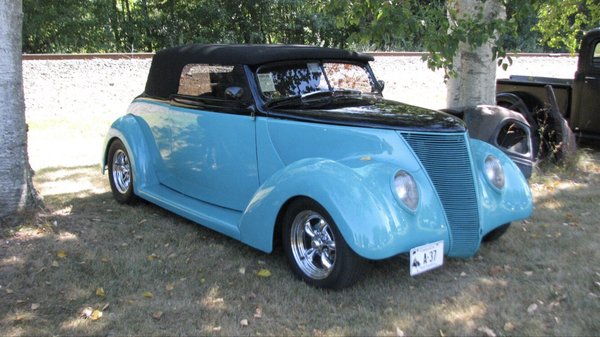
x=167, y=64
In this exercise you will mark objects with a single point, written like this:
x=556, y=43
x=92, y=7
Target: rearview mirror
x=234, y=93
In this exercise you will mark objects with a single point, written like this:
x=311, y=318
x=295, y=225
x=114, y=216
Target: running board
x=220, y=219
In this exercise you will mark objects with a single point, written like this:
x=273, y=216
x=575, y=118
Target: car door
x=213, y=151
x=587, y=87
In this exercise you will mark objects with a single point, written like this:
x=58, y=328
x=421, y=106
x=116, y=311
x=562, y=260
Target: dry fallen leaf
x=264, y=273
x=244, y=322
x=147, y=294
x=104, y=259
x=9, y=291
x=495, y=270
x=86, y=312
x=100, y=292
x=170, y=286
x=157, y=315
x=96, y=314
x=487, y=332
x=55, y=263
x=258, y=313
x=399, y=332
x=217, y=328
x=532, y=308
x=61, y=254
x=152, y=257
x=35, y=306
x=242, y=270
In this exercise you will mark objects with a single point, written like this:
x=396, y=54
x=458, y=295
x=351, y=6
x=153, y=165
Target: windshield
x=299, y=79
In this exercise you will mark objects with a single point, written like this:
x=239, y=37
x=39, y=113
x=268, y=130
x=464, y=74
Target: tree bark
x=16, y=188
x=475, y=82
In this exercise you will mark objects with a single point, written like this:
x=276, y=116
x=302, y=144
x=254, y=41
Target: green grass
x=203, y=283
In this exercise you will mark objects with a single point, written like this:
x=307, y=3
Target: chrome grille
x=446, y=159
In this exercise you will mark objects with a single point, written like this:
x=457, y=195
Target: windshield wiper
x=331, y=93
x=322, y=96
x=288, y=100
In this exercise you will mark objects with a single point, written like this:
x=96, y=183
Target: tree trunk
x=475, y=82
x=16, y=188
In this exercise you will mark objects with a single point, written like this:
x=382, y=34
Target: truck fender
x=507, y=130
x=564, y=139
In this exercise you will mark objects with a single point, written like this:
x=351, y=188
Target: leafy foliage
x=148, y=25
x=418, y=25
x=562, y=23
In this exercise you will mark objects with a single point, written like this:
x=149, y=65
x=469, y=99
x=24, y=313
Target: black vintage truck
x=552, y=105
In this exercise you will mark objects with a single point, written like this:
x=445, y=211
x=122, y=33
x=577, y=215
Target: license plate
x=426, y=257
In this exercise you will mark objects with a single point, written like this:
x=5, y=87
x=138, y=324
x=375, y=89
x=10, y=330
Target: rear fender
x=128, y=130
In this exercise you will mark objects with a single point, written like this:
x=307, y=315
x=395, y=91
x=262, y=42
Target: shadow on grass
x=163, y=275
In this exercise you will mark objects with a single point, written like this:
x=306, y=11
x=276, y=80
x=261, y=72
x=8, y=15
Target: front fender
x=359, y=199
x=129, y=131
x=499, y=207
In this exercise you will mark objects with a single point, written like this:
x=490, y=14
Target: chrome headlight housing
x=406, y=189
x=494, y=172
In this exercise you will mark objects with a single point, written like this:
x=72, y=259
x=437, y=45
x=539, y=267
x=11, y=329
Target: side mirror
x=381, y=84
x=234, y=93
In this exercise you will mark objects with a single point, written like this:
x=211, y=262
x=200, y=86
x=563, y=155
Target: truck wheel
x=120, y=173
x=315, y=249
x=496, y=233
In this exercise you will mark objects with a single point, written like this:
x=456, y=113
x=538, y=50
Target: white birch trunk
x=475, y=82
x=16, y=189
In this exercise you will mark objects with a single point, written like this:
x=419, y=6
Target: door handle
x=591, y=78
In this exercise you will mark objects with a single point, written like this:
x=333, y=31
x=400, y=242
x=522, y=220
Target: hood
x=377, y=113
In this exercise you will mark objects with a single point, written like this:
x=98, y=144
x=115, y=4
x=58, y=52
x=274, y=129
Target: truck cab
x=585, y=109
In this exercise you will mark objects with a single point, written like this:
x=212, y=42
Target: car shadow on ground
x=161, y=274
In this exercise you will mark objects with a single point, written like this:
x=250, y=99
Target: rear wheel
x=120, y=173
x=316, y=250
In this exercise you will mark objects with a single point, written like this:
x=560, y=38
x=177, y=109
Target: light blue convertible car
x=295, y=146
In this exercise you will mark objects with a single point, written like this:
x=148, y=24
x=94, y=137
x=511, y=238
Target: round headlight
x=494, y=172
x=406, y=189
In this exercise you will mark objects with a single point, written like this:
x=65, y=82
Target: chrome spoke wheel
x=313, y=244
x=121, y=171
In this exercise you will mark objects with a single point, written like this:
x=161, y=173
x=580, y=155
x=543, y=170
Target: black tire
x=120, y=173
x=332, y=263
x=496, y=233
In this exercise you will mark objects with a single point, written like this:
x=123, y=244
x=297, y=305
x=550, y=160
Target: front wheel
x=316, y=250
x=496, y=233
x=120, y=173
